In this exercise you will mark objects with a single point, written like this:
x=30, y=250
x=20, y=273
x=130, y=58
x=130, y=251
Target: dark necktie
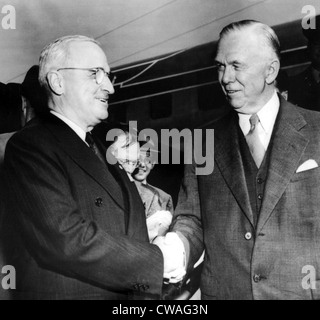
x=92, y=145
x=255, y=145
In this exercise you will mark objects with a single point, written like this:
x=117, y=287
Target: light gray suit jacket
x=214, y=213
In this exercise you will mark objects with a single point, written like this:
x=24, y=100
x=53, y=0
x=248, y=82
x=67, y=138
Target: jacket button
x=260, y=180
x=256, y=278
x=260, y=196
x=98, y=202
x=248, y=235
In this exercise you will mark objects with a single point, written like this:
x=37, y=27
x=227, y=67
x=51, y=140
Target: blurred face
x=243, y=64
x=143, y=169
x=84, y=101
x=128, y=165
x=128, y=157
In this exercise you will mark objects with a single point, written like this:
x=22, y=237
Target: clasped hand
x=174, y=257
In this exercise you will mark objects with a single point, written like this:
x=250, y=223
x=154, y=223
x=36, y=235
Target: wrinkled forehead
x=239, y=45
x=87, y=54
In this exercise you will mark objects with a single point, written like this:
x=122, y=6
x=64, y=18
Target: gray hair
x=268, y=35
x=54, y=55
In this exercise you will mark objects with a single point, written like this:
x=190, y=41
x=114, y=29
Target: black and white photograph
x=160, y=150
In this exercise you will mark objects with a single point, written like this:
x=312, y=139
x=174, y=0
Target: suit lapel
x=288, y=145
x=229, y=161
x=136, y=220
x=84, y=157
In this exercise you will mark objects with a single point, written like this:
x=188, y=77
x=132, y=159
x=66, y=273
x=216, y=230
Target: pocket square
x=309, y=164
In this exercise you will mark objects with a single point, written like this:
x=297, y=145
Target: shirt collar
x=267, y=115
x=81, y=133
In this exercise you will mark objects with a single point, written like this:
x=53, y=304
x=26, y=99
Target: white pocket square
x=309, y=164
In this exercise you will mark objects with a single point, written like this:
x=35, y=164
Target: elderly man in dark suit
x=257, y=216
x=75, y=225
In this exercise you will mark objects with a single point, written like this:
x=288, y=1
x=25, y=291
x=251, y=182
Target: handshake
x=158, y=223
x=174, y=257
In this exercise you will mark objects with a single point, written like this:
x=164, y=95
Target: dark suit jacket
x=73, y=230
x=215, y=210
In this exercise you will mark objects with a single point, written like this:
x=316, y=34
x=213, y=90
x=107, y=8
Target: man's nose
x=107, y=85
x=142, y=164
x=227, y=75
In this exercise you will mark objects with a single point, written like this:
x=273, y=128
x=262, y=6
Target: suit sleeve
x=63, y=239
x=187, y=216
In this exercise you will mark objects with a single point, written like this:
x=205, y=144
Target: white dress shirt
x=267, y=116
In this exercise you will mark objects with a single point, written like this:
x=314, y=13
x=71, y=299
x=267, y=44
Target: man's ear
x=55, y=82
x=272, y=71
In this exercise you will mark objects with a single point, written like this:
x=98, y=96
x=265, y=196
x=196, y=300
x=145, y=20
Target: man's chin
x=140, y=177
x=236, y=106
x=236, y=102
x=104, y=115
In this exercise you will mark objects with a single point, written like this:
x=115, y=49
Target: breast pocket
x=303, y=199
x=313, y=174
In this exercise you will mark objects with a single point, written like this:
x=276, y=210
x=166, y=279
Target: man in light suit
x=258, y=214
x=74, y=224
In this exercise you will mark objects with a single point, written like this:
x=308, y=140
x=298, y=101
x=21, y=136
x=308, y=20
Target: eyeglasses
x=98, y=72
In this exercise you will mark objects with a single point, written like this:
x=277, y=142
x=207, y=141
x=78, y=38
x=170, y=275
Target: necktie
x=92, y=145
x=255, y=145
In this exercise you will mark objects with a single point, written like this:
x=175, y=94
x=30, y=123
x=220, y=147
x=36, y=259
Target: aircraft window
x=161, y=106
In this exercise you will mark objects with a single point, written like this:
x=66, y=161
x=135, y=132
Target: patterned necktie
x=92, y=145
x=255, y=145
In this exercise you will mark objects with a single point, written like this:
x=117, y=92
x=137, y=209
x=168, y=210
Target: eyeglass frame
x=112, y=79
